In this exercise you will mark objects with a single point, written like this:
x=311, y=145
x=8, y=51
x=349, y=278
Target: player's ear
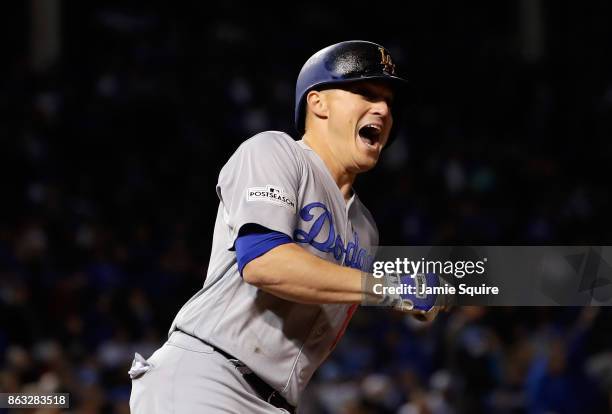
x=317, y=103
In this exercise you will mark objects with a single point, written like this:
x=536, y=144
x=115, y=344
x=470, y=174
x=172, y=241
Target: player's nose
x=381, y=108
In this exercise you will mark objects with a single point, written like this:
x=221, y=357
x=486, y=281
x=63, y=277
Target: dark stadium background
x=116, y=118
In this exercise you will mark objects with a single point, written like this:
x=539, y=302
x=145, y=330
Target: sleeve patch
x=271, y=194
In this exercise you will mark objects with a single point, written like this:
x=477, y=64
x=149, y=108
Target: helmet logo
x=386, y=61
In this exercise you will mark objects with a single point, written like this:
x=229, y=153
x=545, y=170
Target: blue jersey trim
x=252, y=245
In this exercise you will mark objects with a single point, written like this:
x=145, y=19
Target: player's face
x=360, y=121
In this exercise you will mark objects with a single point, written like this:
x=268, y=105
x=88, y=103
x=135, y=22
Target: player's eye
x=372, y=95
x=366, y=93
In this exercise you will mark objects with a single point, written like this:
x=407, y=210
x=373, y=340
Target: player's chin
x=365, y=162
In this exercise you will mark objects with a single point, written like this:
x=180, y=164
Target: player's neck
x=343, y=178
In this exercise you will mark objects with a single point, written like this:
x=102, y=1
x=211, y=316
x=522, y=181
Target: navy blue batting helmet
x=350, y=61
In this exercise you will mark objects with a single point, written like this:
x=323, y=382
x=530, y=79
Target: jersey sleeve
x=260, y=184
x=251, y=245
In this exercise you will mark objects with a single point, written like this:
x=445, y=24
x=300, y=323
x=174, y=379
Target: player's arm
x=271, y=261
x=292, y=273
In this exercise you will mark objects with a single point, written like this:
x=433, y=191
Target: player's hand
x=424, y=306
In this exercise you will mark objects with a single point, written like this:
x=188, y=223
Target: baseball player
x=291, y=243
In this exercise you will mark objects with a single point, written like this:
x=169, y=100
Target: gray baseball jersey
x=281, y=184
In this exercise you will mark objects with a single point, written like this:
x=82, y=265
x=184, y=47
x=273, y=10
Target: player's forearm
x=292, y=273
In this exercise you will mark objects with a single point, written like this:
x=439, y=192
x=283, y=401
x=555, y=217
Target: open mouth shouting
x=371, y=135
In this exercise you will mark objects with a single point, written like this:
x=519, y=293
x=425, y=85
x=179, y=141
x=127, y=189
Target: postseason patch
x=271, y=194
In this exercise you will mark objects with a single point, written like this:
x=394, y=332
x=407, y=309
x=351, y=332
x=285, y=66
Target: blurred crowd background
x=116, y=118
